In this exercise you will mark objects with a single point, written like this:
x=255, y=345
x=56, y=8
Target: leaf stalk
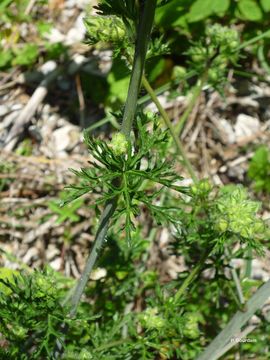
x=169, y=125
x=143, y=36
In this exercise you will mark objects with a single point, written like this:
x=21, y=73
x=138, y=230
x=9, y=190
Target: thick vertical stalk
x=99, y=240
x=143, y=35
x=144, y=32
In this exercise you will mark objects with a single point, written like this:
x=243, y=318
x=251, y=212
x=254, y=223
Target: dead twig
x=30, y=109
x=81, y=101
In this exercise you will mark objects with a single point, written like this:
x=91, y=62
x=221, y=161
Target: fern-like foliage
x=214, y=52
x=123, y=8
x=157, y=48
x=31, y=313
x=220, y=220
x=126, y=8
x=104, y=29
x=135, y=173
x=118, y=26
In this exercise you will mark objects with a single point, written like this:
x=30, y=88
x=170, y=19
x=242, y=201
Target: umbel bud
x=237, y=213
x=191, y=329
x=104, y=29
x=202, y=188
x=150, y=319
x=223, y=36
x=119, y=144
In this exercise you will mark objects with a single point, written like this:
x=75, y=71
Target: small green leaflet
x=201, y=9
x=250, y=10
x=265, y=4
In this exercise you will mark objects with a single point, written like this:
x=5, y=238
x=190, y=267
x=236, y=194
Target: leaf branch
x=144, y=31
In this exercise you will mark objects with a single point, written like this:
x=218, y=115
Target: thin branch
x=236, y=280
x=169, y=125
x=99, y=240
x=193, y=274
x=196, y=93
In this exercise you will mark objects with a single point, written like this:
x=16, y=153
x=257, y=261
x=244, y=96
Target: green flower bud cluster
x=44, y=286
x=179, y=72
x=222, y=36
x=104, y=29
x=150, y=319
x=201, y=189
x=119, y=144
x=198, y=54
x=149, y=278
x=226, y=40
x=191, y=329
x=85, y=355
x=215, y=51
x=19, y=331
x=237, y=214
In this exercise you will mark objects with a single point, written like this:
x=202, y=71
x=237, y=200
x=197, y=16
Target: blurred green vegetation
x=178, y=22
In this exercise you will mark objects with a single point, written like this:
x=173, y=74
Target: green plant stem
x=253, y=40
x=102, y=122
x=144, y=32
x=143, y=35
x=262, y=59
x=248, y=75
x=238, y=286
x=113, y=344
x=255, y=303
x=141, y=101
x=196, y=93
x=240, y=335
x=237, y=281
x=167, y=86
x=194, y=273
x=169, y=125
x=234, y=296
x=248, y=269
x=99, y=240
